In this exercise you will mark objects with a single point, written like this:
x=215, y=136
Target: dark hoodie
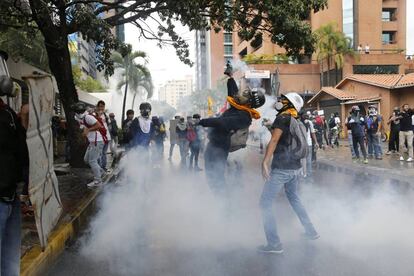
x=231, y=119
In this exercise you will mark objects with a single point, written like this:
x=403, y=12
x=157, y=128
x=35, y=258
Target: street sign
x=257, y=74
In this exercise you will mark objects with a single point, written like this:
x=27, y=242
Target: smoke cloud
x=149, y=217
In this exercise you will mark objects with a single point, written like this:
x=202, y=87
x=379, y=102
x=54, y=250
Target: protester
x=113, y=129
x=318, y=123
x=173, y=136
x=141, y=130
x=158, y=137
x=374, y=130
x=195, y=141
x=100, y=111
x=406, y=132
x=325, y=130
x=334, y=124
x=126, y=124
x=285, y=170
x=356, y=123
x=311, y=140
x=367, y=49
x=238, y=116
x=12, y=165
x=95, y=132
x=394, y=139
x=181, y=130
x=350, y=141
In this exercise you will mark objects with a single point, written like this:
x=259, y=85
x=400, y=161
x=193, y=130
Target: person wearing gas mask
x=284, y=173
x=12, y=162
x=238, y=116
x=394, y=139
x=374, y=129
x=141, y=129
x=356, y=123
x=92, y=129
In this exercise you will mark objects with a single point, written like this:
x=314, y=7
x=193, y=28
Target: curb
x=35, y=261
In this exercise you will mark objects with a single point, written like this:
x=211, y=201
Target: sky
x=165, y=65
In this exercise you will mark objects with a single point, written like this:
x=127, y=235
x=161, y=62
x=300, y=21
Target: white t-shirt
x=92, y=135
x=108, y=135
x=337, y=122
x=308, y=133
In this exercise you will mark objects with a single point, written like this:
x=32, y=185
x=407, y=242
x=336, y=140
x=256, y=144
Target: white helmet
x=296, y=100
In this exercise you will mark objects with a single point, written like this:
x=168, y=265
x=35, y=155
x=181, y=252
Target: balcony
x=391, y=26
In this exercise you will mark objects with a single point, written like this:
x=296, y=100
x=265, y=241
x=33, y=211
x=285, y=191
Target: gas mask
x=282, y=104
x=373, y=112
x=145, y=113
x=6, y=83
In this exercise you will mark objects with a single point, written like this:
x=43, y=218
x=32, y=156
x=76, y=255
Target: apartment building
x=380, y=24
x=175, y=90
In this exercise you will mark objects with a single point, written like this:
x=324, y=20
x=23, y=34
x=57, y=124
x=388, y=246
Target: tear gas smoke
x=148, y=216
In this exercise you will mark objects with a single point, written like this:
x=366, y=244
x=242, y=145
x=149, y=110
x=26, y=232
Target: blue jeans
x=351, y=145
x=102, y=161
x=289, y=180
x=92, y=156
x=374, y=146
x=10, y=226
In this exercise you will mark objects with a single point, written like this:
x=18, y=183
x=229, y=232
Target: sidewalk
x=77, y=202
x=389, y=166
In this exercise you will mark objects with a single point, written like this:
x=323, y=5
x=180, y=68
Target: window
x=388, y=15
x=228, y=50
x=375, y=69
x=348, y=19
x=388, y=38
x=228, y=38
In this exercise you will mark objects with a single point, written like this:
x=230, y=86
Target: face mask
x=79, y=116
x=145, y=113
x=278, y=106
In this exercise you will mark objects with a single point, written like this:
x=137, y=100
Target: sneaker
x=312, y=237
x=401, y=158
x=356, y=160
x=269, y=249
x=409, y=159
x=388, y=152
x=365, y=161
x=94, y=184
x=378, y=157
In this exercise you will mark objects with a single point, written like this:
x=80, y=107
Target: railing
x=382, y=51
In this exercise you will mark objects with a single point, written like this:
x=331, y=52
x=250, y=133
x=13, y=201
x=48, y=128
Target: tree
x=333, y=46
x=88, y=84
x=284, y=21
x=134, y=75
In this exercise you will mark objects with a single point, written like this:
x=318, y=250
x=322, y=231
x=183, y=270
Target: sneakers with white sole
x=401, y=158
x=409, y=160
x=94, y=184
x=269, y=249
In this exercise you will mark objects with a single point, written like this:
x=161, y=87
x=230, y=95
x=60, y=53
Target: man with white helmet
x=285, y=170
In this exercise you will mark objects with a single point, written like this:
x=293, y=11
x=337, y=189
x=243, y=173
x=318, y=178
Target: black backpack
x=332, y=123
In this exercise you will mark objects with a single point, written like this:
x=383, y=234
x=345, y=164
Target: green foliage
x=88, y=84
x=266, y=59
x=29, y=47
x=136, y=74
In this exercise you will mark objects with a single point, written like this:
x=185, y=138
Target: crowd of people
x=365, y=132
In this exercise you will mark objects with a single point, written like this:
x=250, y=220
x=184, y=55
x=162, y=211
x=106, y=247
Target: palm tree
x=332, y=45
x=134, y=75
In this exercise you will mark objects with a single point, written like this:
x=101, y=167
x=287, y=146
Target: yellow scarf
x=291, y=111
x=253, y=113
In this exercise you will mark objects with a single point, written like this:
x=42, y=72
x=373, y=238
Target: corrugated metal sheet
x=43, y=188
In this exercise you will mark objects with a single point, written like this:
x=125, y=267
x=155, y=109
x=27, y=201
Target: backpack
x=191, y=134
x=102, y=129
x=238, y=139
x=332, y=123
x=298, y=147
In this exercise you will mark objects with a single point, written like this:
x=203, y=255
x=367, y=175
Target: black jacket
x=13, y=151
x=222, y=127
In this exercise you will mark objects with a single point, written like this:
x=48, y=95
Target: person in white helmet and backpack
x=287, y=146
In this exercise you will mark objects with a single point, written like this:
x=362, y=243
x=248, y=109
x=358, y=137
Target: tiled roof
x=363, y=99
x=406, y=81
x=389, y=81
x=337, y=93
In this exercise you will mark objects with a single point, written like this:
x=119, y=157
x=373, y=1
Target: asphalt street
x=366, y=226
